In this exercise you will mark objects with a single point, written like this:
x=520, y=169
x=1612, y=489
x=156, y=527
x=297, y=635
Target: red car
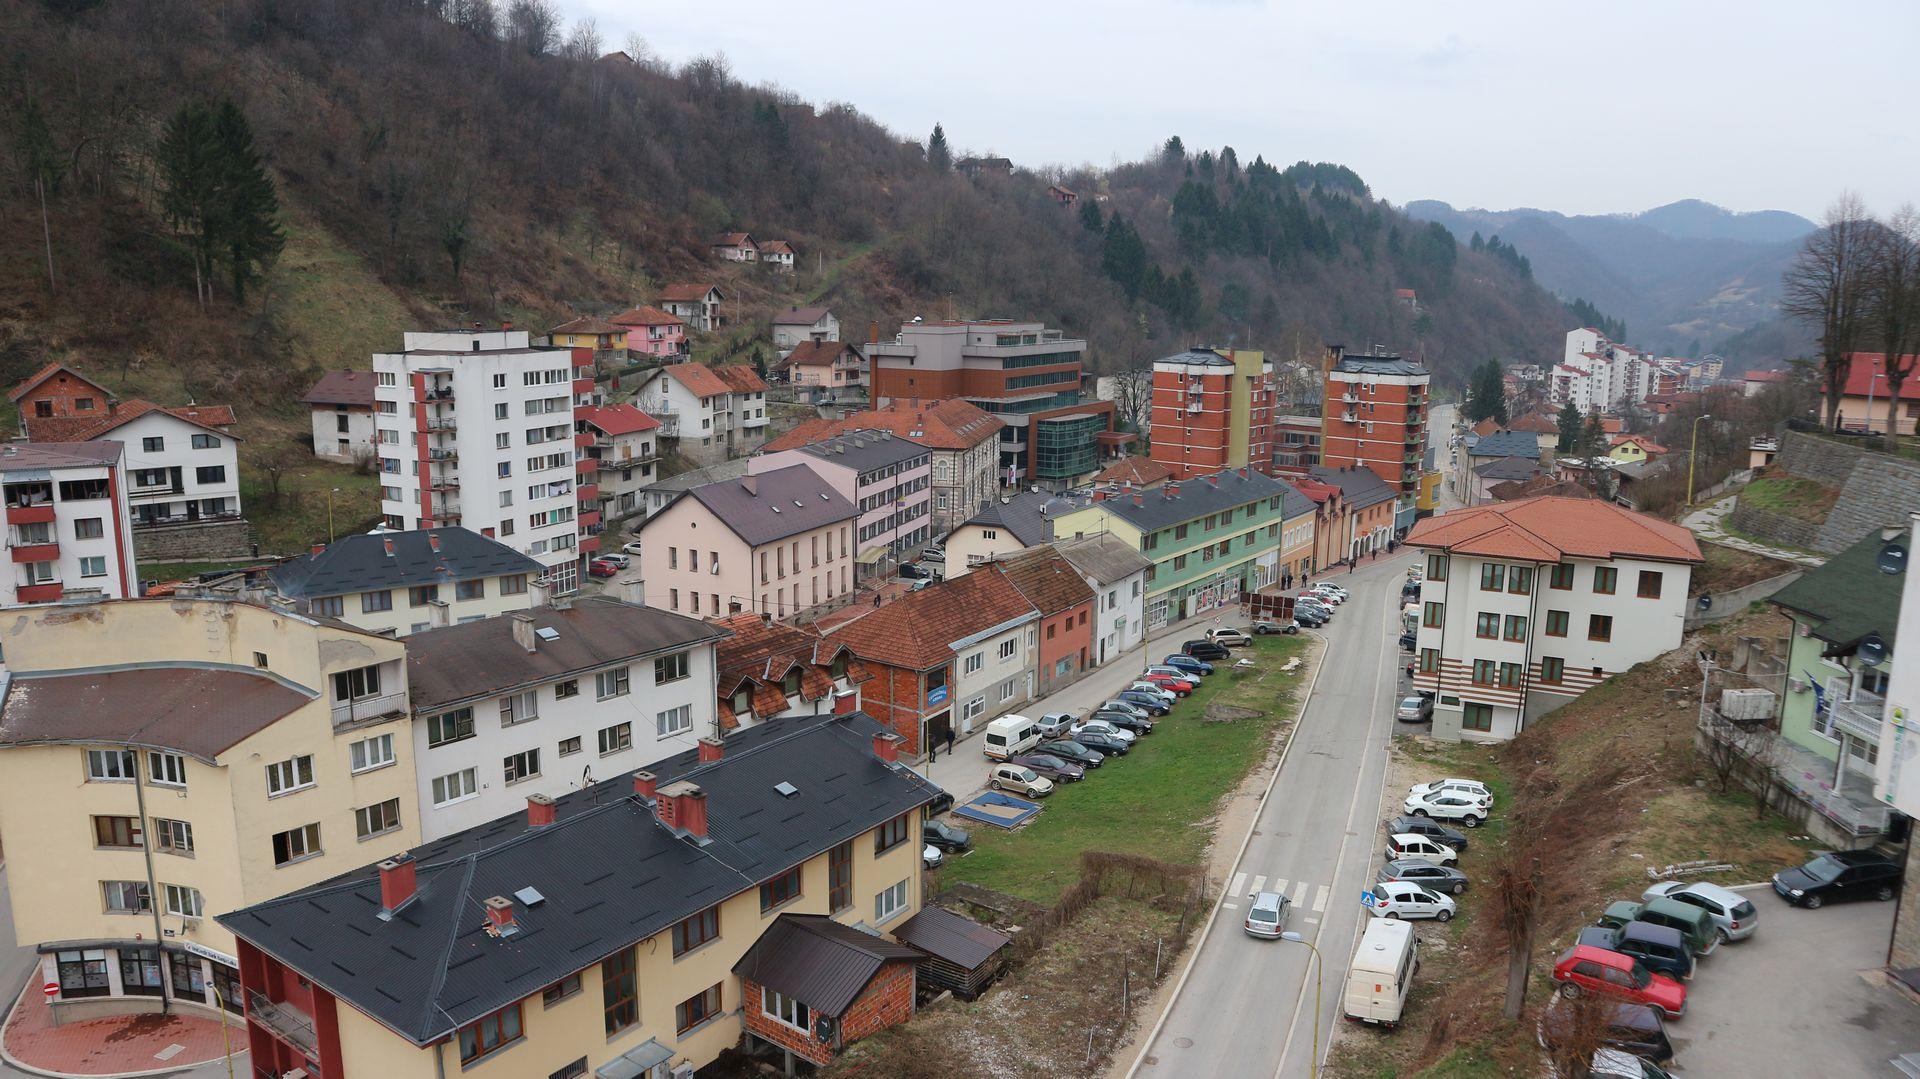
x=598, y=568
x=1168, y=682
x=1586, y=969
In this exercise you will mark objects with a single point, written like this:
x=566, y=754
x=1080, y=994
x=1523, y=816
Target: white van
x=1381, y=974
x=1009, y=736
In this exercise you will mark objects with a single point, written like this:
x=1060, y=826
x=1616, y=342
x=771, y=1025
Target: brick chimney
x=522, y=627
x=1139, y=499
x=682, y=806
x=886, y=746
x=846, y=702
x=711, y=749
x=433, y=541
x=1172, y=489
x=318, y=549
x=500, y=920
x=1100, y=495
x=397, y=883
x=539, y=810
x=644, y=783
x=389, y=545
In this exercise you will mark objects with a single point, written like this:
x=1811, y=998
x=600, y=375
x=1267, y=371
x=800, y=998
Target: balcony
x=586, y=466
x=444, y=485
x=585, y=440
x=44, y=592
x=283, y=1021
x=589, y=519
x=39, y=514
x=582, y=386
x=36, y=552
x=1349, y=416
x=365, y=708
x=448, y=457
x=588, y=492
x=1859, y=716
x=439, y=423
x=590, y=545
x=1349, y=398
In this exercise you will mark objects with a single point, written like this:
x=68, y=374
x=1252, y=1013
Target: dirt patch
x=1728, y=568
x=1220, y=712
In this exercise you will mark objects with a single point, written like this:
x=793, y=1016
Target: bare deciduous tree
x=1826, y=288
x=1893, y=301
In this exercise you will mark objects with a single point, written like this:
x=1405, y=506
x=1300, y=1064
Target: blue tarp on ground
x=1000, y=810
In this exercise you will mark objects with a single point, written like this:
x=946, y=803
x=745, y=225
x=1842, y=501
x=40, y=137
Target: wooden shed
x=966, y=956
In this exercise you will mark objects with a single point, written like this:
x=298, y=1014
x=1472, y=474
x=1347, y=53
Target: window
x=455, y=786
x=210, y=474
x=295, y=773
x=560, y=990
x=616, y=738
x=1600, y=627
x=786, y=1009
x=83, y=973
x=513, y=584
x=126, y=896
x=674, y=721
x=1485, y=672
x=695, y=931
x=522, y=765
x=1477, y=717
x=668, y=668
x=173, y=837
x=890, y=835
x=330, y=606
x=1516, y=627
x=87, y=528
x=611, y=683
x=357, y=683
x=483, y=1036
x=447, y=727
x=117, y=832
x=1562, y=576
x=1429, y=660
x=83, y=490
x=1492, y=576
x=973, y=663
x=840, y=877
x=1605, y=578
x=1435, y=614
x=182, y=900
x=370, y=753
x=694, y=1011
x=166, y=769
x=110, y=764
x=296, y=843
x=890, y=902
x=1437, y=567
x=519, y=707
x=1553, y=670
x=620, y=990
x=153, y=444
x=1510, y=674
x=1486, y=625
x=566, y=689
x=1008, y=647
x=206, y=442
x=375, y=602
x=421, y=595
x=1557, y=623
x=476, y=589
x=1520, y=580
x=93, y=566
x=569, y=746
x=781, y=889
x=1650, y=584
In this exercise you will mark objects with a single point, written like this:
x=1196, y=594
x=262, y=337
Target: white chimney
x=522, y=625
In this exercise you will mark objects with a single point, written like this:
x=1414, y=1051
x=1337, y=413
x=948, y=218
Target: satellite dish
x=1705, y=603
x=1872, y=650
x=1893, y=557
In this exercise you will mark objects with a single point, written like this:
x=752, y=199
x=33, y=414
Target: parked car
x=1179, y=685
x=1126, y=721
x=600, y=567
x=1691, y=922
x=1408, y=899
x=1055, y=768
x=931, y=857
x=1183, y=662
x=1659, y=948
x=1267, y=914
x=1328, y=596
x=915, y=573
x=1408, y=845
x=1206, y=650
x=1152, y=703
x=1164, y=695
x=1264, y=626
x=1055, y=724
x=1446, y=806
x=1101, y=726
x=1407, y=641
x=1633, y=1029
x=945, y=836
x=1309, y=617
x=1125, y=706
x=1440, y=878
x=631, y=547
x=1837, y=876
x=1314, y=610
x=616, y=558
x=1470, y=787
x=1431, y=829
x=1020, y=780
x=1732, y=913
x=1103, y=743
x=1414, y=709
x=1069, y=750
x=1585, y=969
x=1230, y=638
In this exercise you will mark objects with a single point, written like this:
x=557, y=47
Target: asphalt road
x=1247, y=1009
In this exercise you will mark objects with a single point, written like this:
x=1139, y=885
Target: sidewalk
x=146, y=1044
x=1705, y=523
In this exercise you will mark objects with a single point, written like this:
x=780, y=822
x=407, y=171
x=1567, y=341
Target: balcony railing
x=30, y=515
x=150, y=520
x=36, y=552
x=385, y=704
x=283, y=1021
x=1859, y=715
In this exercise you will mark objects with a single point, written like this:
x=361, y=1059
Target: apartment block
x=1213, y=409
x=396, y=583
x=165, y=760
x=625, y=443
x=477, y=429
x=1296, y=445
x=888, y=478
x=963, y=440
x=69, y=529
x=1528, y=604
x=1374, y=416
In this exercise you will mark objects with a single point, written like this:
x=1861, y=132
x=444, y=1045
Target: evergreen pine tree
x=1593, y=437
x=1090, y=218
x=1124, y=256
x=1174, y=150
x=1487, y=394
x=1569, y=423
x=939, y=155
x=188, y=157
x=251, y=237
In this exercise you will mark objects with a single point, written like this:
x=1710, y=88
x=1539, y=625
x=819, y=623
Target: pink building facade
x=888, y=478
x=653, y=332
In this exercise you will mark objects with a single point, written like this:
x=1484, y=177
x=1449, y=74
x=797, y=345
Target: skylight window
x=547, y=633
x=785, y=789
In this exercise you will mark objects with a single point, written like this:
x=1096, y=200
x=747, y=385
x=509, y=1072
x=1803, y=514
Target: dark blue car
x=1187, y=663
x=1153, y=705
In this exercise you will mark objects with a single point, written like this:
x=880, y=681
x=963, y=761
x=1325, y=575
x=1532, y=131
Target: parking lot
x=1802, y=996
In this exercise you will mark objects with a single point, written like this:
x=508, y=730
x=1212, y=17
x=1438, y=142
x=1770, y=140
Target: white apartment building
x=797, y=325
x=1118, y=576
x=993, y=669
x=69, y=531
x=713, y=413
x=396, y=583
x=477, y=429
x=1528, y=604
x=1598, y=375
x=548, y=701
x=178, y=469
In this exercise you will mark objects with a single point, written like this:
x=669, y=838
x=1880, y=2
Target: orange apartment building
x=1374, y=415
x=1213, y=410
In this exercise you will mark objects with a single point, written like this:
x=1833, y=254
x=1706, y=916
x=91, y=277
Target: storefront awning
x=870, y=556
x=635, y=1062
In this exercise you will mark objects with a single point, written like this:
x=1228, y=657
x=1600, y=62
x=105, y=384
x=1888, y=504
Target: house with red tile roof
x=1066, y=605
x=769, y=669
x=652, y=332
x=735, y=247
x=797, y=325
x=963, y=438
x=341, y=404
x=625, y=441
x=822, y=370
x=1864, y=400
x=713, y=413
x=1528, y=604
x=59, y=390
x=696, y=303
x=778, y=254
x=1143, y=472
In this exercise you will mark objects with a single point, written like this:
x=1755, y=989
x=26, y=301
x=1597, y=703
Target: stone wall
x=1876, y=491
x=1734, y=601
x=206, y=541
x=1824, y=461
x=1775, y=528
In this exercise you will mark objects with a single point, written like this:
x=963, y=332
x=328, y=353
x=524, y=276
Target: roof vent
x=776, y=509
x=785, y=789
x=530, y=896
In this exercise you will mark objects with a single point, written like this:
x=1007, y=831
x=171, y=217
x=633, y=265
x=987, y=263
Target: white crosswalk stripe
x=1260, y=883
x=1280, y=885
x=1320, y=900
x=1239, y=882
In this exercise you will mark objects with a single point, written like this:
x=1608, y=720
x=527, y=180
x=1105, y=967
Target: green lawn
x=1801, y=499
x=299, y=516
x=1157, y=801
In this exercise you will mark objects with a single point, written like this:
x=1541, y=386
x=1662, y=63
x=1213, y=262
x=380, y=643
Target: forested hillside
x=450, y=161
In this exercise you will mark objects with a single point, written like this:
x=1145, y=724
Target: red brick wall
x=893, y=697
x=765, y=1026
x=886, y=1001
x=63, y=391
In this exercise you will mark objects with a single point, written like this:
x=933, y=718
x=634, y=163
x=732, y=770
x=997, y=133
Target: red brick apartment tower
x=1374, y=414
x=1213, y=409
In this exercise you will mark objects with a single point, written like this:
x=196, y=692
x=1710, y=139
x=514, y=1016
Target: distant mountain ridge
x=1686, y=277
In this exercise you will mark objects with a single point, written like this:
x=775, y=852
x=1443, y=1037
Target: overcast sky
x=1583, y=108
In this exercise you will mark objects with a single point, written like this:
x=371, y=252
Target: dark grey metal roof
x=1025, y=515
x=1507, y=444
x=863, y=451
x=612, y=875
x=1359, y=486
x=773, y=505
x=818, y=961
x=1508, y=468
x=1174, y=502
x=1201, y=357
x=946, y=935
x=1379, y=365
x=1293, y=503
x=369, y=562
x=15, y=456
x=726, y=470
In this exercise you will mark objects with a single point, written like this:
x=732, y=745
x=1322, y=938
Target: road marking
x=1239, y=882
x=1231, y=906
x=1260, y=883
x=1311, y=920
x=1320, y=899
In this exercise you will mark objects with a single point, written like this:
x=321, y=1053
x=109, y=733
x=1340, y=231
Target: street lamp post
x=1318, y=972
x=331, y=491
x=1693, y=443
x=1868, y=422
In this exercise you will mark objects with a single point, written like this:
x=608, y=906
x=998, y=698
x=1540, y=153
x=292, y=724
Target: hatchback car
x=1179, y=684
x=1408, y=845
x=1266, y=626
x=1184, y=663
x=1069, y=750
x=631, y=547
x=1058, y=769
x=1408, y=899
x=1440, y=878
x=1206, y=650
x=1173, y=671
x=1151, y=703
x=1407, y=641
x=1309, y=617
x=1452, y=837
x=1471, y=787
x=1731, y=912
x=1267, y=914
x=1586, y=969
x=1837, y=876
x=1102, y=743
x=1154, y=689
x=1020, y=780
x=1691, y=922
x=931, y=857
x=1454, y=807
x=600, y=567
x=1101, y=726
x=1414, y=709
x=1231, y=638
x=1126, y=721
x=1055, y=724
x=945, y=836
x=616, y=558
x=1125, y=706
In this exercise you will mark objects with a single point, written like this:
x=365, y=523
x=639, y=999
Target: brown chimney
x=318, y=549
x=846, y=702
x=711, y=749
x=522, y=626
x=886, y=746
x=433, y=541
x=506, y=325
x=500, y=916
x=539, y=810
x=873, y=332
x=397, y=883
x=1139, y=499
x=1100, y=495
x=389, y=544
x=682, y=806
x=1172, y=489
x=644, y=783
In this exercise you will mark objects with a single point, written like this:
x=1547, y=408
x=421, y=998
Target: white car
x=1101, y=726
x=1166, y=696
x=1408, y=845
x=931, y=857
x=1469, y=787
x=1267, y=915
x=1446, y=805
x=1328, y=593
x=631, y=548
x=1732, y=913
x=1405, y=899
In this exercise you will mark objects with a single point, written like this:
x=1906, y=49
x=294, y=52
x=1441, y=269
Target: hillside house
x=713, y=412
x=1063, y=195
x=625, y=442
x=341, y=404
x=735, y=247
x=652, y=332
x=822, y=371
x=778, y=254
x=798, y=325
x=696, y=304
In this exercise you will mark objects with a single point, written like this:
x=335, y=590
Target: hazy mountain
x=1687, y=277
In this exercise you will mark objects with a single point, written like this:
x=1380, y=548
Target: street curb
x=16, y=1062
x=1253, y=825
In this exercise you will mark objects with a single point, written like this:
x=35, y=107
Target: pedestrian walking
x=949, y=741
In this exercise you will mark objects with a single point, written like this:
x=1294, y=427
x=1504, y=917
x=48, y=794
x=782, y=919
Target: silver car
x=1267, y=916
x=1732, y=913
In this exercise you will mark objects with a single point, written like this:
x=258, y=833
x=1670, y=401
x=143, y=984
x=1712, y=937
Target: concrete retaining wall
x=1774, y=528
x=1876, y=491
x=1733, y=601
